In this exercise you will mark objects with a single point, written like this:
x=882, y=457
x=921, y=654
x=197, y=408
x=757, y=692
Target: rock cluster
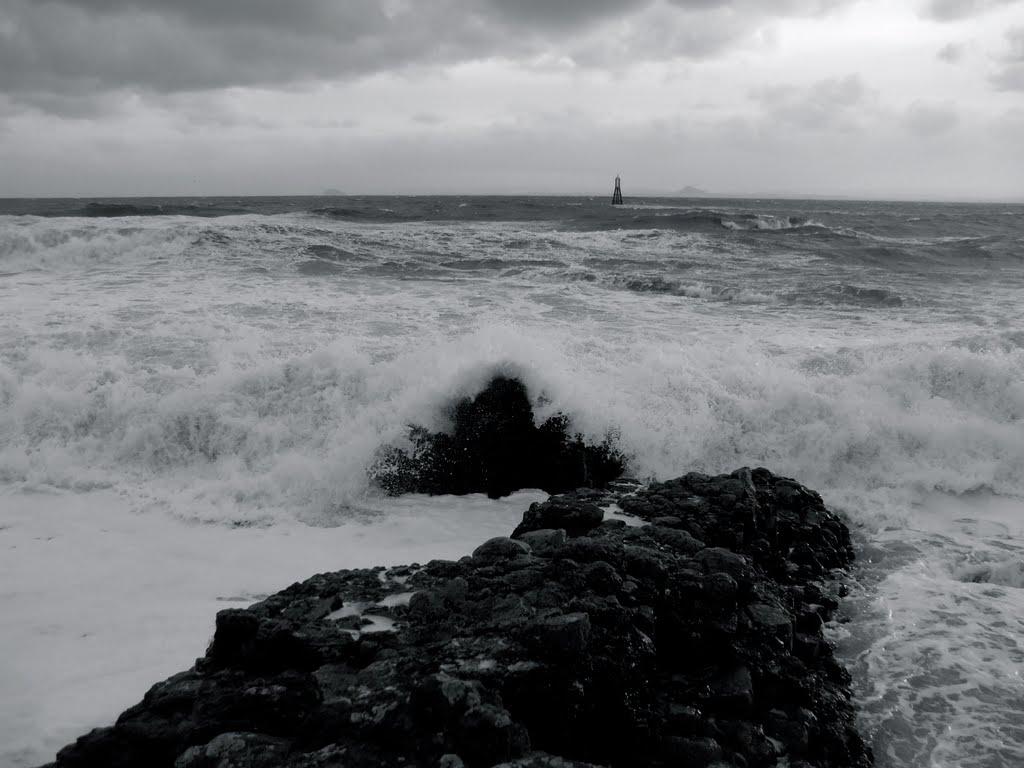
x=693, y=639
x=493, y=447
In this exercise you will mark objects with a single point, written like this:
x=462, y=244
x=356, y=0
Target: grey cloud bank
x=70, y=46
x=874, y=97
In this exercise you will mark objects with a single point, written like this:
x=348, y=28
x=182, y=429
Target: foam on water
x=230, y=380
x=937, y=640
x=108, y=600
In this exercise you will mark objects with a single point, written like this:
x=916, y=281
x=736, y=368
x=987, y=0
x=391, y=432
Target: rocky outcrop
x=692, y=639
x=493, y=447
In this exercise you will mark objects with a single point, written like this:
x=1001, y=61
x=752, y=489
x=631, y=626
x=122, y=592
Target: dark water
x=858, y=254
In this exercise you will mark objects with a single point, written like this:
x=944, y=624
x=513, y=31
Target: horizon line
x=643, y=193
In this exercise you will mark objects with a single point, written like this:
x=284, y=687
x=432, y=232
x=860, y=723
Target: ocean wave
x=70, y=244
x=843, y=294
x=761, y=221
x=299, y=431
x=693, y=290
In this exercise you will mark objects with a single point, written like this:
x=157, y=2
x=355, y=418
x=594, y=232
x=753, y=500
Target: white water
x=187, y=412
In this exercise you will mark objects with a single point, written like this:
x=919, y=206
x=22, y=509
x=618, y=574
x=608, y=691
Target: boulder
x=574, y=645
x=494, y=447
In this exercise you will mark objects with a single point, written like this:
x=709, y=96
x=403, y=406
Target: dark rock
x=774, y=621
x=501, y=547
x=603, y=578
x=718, y=560
x=427, y=605
x=488, y=735
x=733, y=692
x=542, y=760
x=234, y=636
x=575, y=517
x=604, y=646
x=228, y=750
x=694, y=753
x=495, y=448
x=545, y=541
x=750, y=741
x=681, y=541
x=441, y=699
x=565, y=635
x=585, y=549
x=806, y=647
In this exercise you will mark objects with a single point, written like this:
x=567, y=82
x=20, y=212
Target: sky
x=859, y=98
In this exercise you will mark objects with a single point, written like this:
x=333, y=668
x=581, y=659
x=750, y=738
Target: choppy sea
x=191, y=392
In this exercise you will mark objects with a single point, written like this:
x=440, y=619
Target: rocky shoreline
x=688, y=634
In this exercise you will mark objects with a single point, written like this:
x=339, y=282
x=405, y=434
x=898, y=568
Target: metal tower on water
x=617, y=194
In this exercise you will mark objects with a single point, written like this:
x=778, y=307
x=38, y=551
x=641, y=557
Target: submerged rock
x=694, y=641
x=494, y=447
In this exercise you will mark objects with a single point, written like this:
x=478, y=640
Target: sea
x=193, y=390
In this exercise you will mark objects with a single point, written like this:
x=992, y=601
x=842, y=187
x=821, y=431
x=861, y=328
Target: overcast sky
x=875, y=98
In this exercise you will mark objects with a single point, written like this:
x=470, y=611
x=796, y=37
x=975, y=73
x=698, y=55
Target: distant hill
x=692, y=192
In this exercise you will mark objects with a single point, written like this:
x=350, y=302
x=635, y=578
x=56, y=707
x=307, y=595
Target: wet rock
x=489, y=735
x=694, y=753
x=565, y=635
x=575, y=644
x=494, y=447
x=774, y=621
x=229, y=750
x=501, y=547
x=719, y=560
x=733, y=692
x=575, y=517
x=544, y=541
x=234, y=636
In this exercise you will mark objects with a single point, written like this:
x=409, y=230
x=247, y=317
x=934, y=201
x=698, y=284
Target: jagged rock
x=495, y=448
x=574, y=517
x=501, y=547
x=232, y=750
x=544, y=541
x=773, y=621
x=734, y=692
x=576, y=644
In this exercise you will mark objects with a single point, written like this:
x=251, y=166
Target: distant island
x=692, y=192
x=332, y=192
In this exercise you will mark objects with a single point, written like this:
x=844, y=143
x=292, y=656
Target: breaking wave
x=299, y=431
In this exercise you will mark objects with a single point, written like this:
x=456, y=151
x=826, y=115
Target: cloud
x=928, y=120
x=953, y=10
x=78, y=49
x=1011, y=76
x=951, y=52
x=427, y=118
x=834, y=104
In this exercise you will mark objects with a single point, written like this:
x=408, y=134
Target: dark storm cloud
x=548, y=14
x=951, y=10
x=98, y=44
x=1011, y=77
x=81, y=48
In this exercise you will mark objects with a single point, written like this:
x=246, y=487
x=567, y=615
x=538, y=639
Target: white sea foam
x=176, y=381
x=102, y=599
